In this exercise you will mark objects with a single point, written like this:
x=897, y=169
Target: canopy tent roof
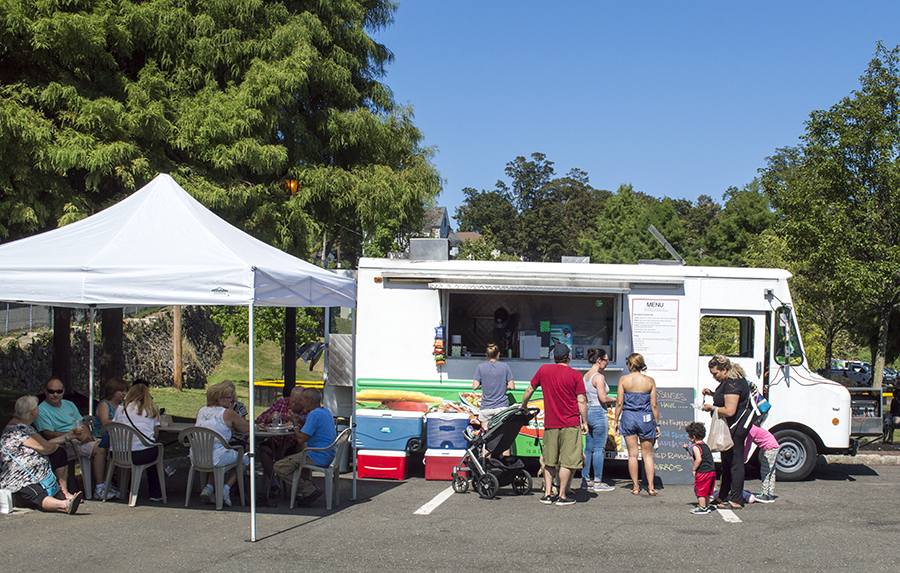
x=161, y=247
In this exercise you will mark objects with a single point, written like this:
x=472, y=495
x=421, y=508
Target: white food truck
x=675, y=316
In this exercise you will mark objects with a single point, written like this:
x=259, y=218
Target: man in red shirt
x=565, y=421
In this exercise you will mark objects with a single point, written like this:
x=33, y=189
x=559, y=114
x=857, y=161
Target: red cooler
x=439, y=464
x=386, y=464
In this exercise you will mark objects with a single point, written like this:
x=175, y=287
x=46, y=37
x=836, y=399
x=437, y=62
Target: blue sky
x=678, y=99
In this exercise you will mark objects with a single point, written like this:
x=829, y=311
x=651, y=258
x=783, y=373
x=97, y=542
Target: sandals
x=729, y=505
x=74, y=502
x=636, y=491
x=652, y=492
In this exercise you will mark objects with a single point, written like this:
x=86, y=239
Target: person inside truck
x=506, y=331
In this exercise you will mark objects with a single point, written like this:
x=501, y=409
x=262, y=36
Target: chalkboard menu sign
x=673, y=463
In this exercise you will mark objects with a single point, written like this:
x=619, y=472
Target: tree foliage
x=232, y=97
x=538, y=217
x=733, y=230
x=619, y=234
x=838, y=194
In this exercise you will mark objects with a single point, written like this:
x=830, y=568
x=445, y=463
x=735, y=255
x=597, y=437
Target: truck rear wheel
x=797, y=456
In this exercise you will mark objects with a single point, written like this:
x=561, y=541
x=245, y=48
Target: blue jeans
x=595, y=443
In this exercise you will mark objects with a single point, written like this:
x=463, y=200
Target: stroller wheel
x=521, y=482
x=460, y=484
x=488, y=486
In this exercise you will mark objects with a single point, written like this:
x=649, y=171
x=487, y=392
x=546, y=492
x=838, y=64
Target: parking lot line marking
x=728, y=515
x=434, y=503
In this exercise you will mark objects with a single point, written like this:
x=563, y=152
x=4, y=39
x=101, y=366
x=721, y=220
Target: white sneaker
x=587, y=484
x=600, y=486
x=112, y=494
x=226, y=497
x=206, y=496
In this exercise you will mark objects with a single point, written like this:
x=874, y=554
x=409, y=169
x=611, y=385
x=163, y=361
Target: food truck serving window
x=526, y=325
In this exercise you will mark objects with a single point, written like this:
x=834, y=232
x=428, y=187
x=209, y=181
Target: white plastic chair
x=120, y=440
x=201, y=442
x=87, y=468
x=332, y=472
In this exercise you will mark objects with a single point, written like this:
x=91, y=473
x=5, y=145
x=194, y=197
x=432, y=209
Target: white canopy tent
x=161, y=247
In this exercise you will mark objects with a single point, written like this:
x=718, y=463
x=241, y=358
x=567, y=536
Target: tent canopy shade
x=161, y=247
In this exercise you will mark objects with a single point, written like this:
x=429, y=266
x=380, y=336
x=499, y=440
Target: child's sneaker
x=702, y=510
x=587, y=484
x=206, y=496
x=226, y=497
x=600, y=486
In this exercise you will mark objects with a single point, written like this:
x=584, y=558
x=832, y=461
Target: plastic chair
x=332, y=472
x=120, y=440
x=201, y=441
x=87, y=467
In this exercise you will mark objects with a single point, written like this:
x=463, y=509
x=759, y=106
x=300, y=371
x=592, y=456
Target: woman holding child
x=730, y=401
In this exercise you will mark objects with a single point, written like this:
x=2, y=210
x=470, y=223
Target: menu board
x=673, y=463
x=654, y=332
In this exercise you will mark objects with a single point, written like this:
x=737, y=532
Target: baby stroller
x=488, y=474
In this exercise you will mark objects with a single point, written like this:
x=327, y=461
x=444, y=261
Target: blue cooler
x=395, y=430
x=444, y=431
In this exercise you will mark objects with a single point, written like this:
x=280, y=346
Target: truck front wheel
x=796, y=457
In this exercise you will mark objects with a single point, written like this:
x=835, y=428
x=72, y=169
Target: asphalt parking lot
x=846, y=516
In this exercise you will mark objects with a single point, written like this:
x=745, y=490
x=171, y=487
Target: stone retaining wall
x=25, y=362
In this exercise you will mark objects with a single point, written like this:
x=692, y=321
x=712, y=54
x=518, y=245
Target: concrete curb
x=862, y=460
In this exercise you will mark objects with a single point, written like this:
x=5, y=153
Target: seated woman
x=113, y=394
x=218, y=416
x=237, y=439
x=26, y=459
x=139, y=412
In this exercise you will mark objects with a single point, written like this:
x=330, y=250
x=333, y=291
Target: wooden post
x=176, y=343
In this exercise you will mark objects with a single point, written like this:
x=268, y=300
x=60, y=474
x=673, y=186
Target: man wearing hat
x=565, y=421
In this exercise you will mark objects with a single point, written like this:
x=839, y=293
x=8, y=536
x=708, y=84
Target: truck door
x=739, y=335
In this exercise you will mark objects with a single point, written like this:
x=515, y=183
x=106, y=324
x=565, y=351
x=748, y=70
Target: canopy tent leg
x=353, y=411
x=91, y=365
x=252, y=433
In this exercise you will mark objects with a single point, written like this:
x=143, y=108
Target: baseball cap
x=560, y=351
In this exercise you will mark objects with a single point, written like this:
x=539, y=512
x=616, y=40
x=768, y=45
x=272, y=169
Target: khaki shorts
x=484, y=416
x=563, y=447
x=79, y=449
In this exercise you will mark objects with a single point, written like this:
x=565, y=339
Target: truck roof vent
x=577, y=260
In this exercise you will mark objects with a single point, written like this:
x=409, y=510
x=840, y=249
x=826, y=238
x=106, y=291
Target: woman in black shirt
x=731, y=399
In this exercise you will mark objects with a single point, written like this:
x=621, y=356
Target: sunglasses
x=55, y=391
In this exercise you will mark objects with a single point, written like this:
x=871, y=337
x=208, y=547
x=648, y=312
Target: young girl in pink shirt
x=768, y=454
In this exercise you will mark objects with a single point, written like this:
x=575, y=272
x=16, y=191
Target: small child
x=768, y=454
x=704, y=470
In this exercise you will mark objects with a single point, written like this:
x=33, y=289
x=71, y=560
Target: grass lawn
x=234, y=366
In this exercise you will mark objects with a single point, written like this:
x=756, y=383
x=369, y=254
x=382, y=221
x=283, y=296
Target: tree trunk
x=289, y=358
x=61, y=366
x=829, y=350
x=885, y=318
x=112, y=355
x=176, y=347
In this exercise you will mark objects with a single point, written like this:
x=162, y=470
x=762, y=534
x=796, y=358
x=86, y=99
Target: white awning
x=615, y=288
